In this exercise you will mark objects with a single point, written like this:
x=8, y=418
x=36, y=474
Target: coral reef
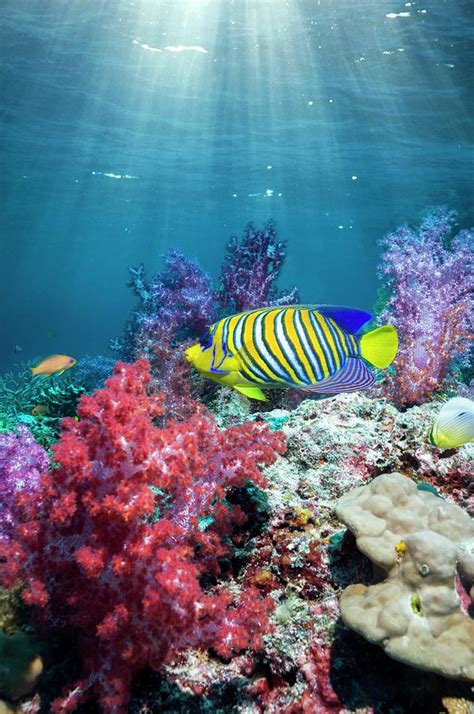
x=91, y=371
x=21, y=462
x=172, y=377
x=428, y=273
x=415, y=614
x=177, y=303
x=132, y=519
x=37, y=404
x=302, y=560
x=251, y=269
x=345, y=441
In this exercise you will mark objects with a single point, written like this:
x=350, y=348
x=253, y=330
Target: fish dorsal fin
x=252, y=393
x=352, y=376
x=349, y=318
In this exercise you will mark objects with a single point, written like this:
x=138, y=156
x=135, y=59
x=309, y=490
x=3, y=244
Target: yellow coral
x=303, y=516
x=401, y=547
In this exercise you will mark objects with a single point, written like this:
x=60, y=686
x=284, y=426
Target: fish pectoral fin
x=251, y=392
x=352, y=376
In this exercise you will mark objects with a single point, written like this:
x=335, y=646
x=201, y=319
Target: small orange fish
x=56, y=364
x=39, y=410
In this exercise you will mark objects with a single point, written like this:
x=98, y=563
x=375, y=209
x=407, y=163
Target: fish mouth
x=189, y=354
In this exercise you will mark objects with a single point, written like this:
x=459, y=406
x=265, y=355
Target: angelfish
x=315, y=348
x=454, y=425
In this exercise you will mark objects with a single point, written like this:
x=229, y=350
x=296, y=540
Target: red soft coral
x=125, y=527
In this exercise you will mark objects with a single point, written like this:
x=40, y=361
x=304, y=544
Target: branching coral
x=21, y=462
x=429, y=274
x=130, y=520
x=251, y=270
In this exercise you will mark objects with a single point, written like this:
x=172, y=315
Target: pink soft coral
x=125, y=527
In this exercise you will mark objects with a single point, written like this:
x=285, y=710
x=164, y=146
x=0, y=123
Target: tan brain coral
x=422, y=542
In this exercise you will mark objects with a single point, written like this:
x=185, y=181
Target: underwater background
x=129, y=128
x=236, y=357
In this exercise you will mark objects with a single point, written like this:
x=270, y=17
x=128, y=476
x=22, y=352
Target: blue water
x=129, y=128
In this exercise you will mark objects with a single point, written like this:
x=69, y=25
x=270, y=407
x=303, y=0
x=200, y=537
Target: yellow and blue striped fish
x=315, y=348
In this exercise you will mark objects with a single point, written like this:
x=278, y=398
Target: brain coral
x=418, y=614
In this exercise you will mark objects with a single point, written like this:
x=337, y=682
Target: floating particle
x=310, y=103
x=354, y=178
x=393, y=15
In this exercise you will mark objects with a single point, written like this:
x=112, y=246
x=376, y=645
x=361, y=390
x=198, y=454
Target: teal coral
x=20, y=394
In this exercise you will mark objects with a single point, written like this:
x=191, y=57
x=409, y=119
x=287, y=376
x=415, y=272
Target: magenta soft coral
x=127, y=523
x=429, y=275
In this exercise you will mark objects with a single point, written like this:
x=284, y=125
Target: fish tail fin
x=379, y=346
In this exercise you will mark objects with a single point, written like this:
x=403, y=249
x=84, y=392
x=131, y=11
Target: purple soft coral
x=182, y=296
x=21, y=462
x=177, y=303
x=251, y=269
x=429, y=276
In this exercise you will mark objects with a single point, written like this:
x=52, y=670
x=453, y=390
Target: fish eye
x=206, y=340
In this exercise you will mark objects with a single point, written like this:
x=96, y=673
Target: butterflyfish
x=315, y=348
x=454, y=425
x=56, y=364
